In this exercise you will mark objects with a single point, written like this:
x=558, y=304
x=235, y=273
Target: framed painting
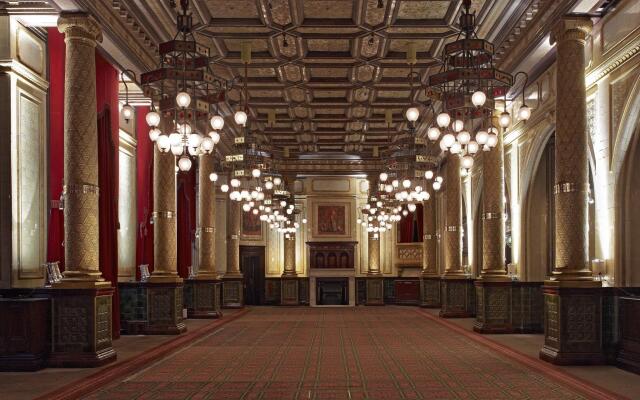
x=332, y=220
x=251, y=227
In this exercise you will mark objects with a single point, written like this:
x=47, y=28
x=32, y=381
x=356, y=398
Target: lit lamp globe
x=163, y=143
x=240, y=117
x=406, y=183
x=492, y=141
x=443, y=120
x=277, y=180
x=478, y=98
x=439, y=179
x=412, y=114
x=194, y=140
x=383, y=177
x=183, y=99
x=428, y=174
x=524, y=113
x=207, y=145
x=433, y=133
x=127, y=112
x=175, y=139
x=481, y=137
x=217, y=122
x=213, y=177
x=473, y=147
x=177, y=150
x=505, y=119
x=154, y=134
x=425, y=196
x=235, y=183
x=411, y=207
x=215, y=136
x=184, y=163
x=255, y=173
x=268, y=185
x=458, y=125
x=448, y=140
x=456, y=148
x=437, y=185
x=467, y=162
x=152, y=118
x=464, y=137
x=246, y=207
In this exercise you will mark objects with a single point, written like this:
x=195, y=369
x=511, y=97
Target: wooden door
x=252, y=267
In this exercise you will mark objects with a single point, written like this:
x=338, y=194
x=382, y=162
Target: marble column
x=202, y=293
x=165, y=248
x=374, y=254
x=81, y=252
x=232, y=285
x=83, y=296
x=290, y=255
x=429, y=278
x=572, y=299
x=455, y=286
x=494, y=288
x=289, y=287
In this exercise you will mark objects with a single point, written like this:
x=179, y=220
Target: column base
x=81, y=328
x=289, y=291
x=202, y=298
x=151, y=308
x=232, y=291
x=493, y=306
x=430, y=291
x=458, y=297
x=375, y=290
x=573, y=324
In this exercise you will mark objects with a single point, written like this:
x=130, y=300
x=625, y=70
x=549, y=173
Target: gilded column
x=452, y=255
x=165, y=248
x=81, y=152
x=234, y=219
x=207, y=217
x=374, y=253
x=429, y=241
x=572, y=169
x=290, y=255
x=493, y=267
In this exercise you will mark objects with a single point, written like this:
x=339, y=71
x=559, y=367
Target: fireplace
x=332, y=291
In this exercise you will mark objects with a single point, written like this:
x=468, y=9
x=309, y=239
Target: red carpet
x=346, y=353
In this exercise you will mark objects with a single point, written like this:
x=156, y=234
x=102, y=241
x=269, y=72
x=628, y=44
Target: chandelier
x=185, y=88
x=467, y=86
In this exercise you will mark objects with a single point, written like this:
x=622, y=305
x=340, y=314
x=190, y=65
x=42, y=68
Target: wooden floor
x=368, y=353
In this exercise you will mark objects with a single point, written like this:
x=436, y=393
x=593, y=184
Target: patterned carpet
x=337, y=353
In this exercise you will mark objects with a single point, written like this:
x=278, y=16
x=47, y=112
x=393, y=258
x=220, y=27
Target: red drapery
x=108, y=147
x=410, y=228
x=186, y=198
x=144, y=171
x=56, y=55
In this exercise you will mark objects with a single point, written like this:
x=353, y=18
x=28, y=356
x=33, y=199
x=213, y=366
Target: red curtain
x=144, y=171
x=410, y=228
x=186, y=198
x=56, y=55
x=108, y=147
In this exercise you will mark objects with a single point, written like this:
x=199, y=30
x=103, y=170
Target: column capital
x=571, y=27
x=79, y=25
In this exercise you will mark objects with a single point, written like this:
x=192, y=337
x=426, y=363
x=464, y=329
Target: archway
x=629, y=216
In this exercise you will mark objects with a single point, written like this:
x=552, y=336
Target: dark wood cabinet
x=24, y=332
x=407, y=291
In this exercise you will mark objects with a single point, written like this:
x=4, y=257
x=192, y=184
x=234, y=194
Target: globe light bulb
x=464, y=137
x=478, y=98
x=268, y=185
x=412, y=114
x=492, y=141
x=153, y=119
x=213, y=177
x=217, y=122
x=215, y=136
x=183, y=99
x=524, y=113
x=177, y=150
x=406, y=183
x=458, y=125
x=439, y=179
x=443, y=120
x=473, y=147
x=127, y=112
x=411, y=207
x=304, y=220
x=467, y=162
x=388, y=188
x=235, y=183
x=448, y=140
x=194, y=140
x=184, y=163
x=437, y=185
x=481, y=137
x=164, y=143
x=456, y=148
x=154, y=134
x=255, y=173
x=505, y=119
x=207, y=145
x=395, y=183
x=277, y=180
x=383, y=177
x=428, y=174
x=433, y=133
x=246, y=207
x=175, y=139
x=240, y=117
x=405, y=213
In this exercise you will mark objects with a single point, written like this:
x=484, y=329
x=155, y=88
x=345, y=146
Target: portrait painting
x=251, y=224
x=331, y=220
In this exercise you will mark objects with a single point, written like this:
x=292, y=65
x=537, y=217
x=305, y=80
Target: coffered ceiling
x=328, y=69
